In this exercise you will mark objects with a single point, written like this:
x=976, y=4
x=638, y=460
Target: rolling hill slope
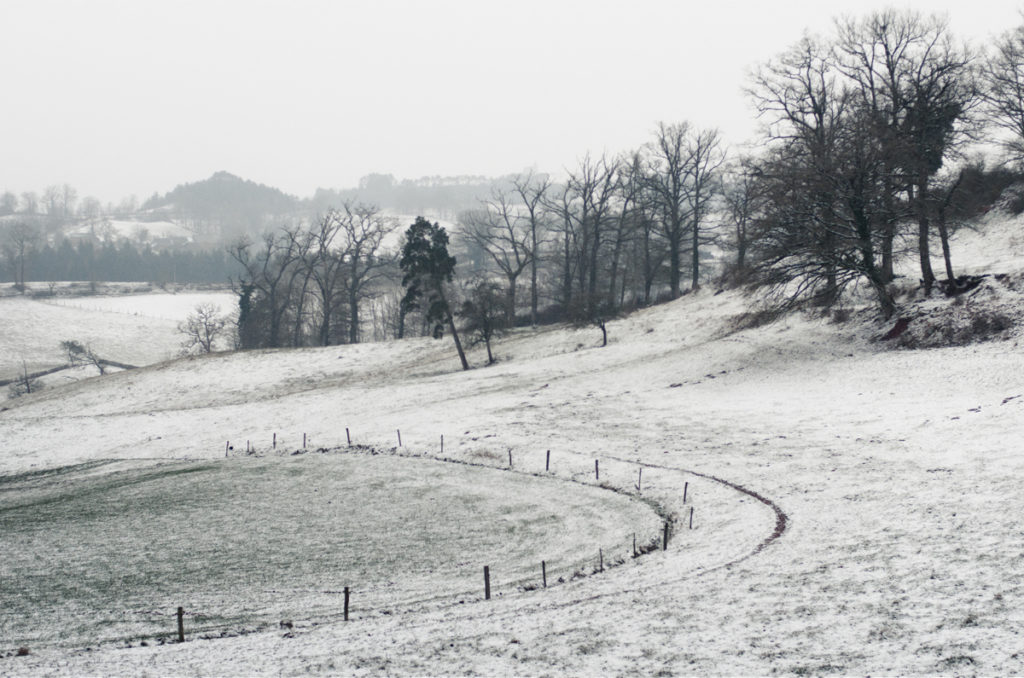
x=898, y=472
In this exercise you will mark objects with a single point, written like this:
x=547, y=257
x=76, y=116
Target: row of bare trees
x=612, y=234
x=60, y=202
x=609, y=235
x=305, y=285
x=862, y=164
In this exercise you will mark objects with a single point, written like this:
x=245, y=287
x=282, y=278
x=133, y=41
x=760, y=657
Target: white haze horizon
x=127, y=98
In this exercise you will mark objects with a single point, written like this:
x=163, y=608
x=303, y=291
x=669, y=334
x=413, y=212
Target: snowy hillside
x=856, y=502
x=133, y=229
x=135, y=329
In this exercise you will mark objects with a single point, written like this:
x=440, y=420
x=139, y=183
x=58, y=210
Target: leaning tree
x=426, y=269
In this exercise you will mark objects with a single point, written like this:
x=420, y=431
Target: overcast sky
x=121, y=98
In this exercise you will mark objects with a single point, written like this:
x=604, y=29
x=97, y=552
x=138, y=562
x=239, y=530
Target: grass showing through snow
x=106, y=551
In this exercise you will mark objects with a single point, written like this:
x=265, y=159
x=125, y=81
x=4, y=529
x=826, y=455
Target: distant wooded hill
x=225, y=206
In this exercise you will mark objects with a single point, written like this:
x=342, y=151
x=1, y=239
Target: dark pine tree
x=426, y=268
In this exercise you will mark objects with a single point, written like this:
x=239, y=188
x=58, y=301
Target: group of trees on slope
x=609, y=236
x=863, y=130
x=863, y=163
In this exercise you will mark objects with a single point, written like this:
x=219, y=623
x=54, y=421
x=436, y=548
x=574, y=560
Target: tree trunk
x=868, y=263
x=695, y=240
x=510, y=301
x=944, y=236
x=325, y=318
x=451, y=326
x=943, y=231
x=695, y=281
x=533, y=277
x=567, y=275
x=888, y=228
x=648, y=268
x=353, y=318
x=673, y=267
x=927, y=276
x=458, y=344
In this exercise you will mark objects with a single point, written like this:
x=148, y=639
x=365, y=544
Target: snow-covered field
x=136, y=329
x=892, y=474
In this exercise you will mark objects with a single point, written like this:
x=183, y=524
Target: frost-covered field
x=898, y=472
x=249, y=542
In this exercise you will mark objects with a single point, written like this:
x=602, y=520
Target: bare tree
x=742, y=204
x=52, y=201
x=202, y=328
x=705, y=156
x=818, y=228
x=560, y=203
x=265, y=289
x=8, y=203
x=588, y=206
x=365, y=231
x=681, y=163
x=532, y=190
x=325, y=267
x=29, y=202
x=501, y=231
x=68, y=199
x=91, y=207
x=802, y=104
x=484, y=314
x=1003, y=90
x=630, y=190
x=918, y=86
x=21, y=238
x=25, y=384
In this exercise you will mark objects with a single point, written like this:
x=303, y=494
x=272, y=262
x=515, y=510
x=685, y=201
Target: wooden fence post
x=348, y=437
x=639, y=478
x=544, y=573
x=442, y=443
x=686, y=486
x=181, y=625
x=275, y=441
x=664, y=541
x=600, y=560
x=399, y=432
x=487, y=583
x=597, y=471
x=346, y=603
x=510, y=457
x=227, y=446
x=691, y=517
x=547, y=463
